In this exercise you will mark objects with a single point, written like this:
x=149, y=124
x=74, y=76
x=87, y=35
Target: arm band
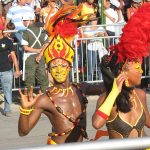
x=106, y=107
x=101, y=114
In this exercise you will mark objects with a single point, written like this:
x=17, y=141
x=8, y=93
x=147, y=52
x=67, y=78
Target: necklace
x=64, y=91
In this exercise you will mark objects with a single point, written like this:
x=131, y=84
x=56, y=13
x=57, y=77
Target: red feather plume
x=65, y=22
x=135, y=40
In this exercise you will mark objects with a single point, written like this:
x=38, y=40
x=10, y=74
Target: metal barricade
x=88, y=54
x=86, y=68
x=113, y=144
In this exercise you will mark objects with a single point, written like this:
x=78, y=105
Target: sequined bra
x=123, y=128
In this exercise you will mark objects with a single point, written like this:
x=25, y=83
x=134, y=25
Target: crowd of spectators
x=114, y=10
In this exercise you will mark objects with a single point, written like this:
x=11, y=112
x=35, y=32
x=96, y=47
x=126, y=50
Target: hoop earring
x=126, y=83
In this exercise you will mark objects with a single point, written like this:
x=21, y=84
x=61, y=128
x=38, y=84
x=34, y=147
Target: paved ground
x=9, y=138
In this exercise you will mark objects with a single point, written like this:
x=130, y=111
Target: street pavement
x=9, y=138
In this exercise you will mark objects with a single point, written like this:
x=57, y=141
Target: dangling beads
x=127, y=83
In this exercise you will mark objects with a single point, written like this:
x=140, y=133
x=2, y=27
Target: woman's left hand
x=120, y=79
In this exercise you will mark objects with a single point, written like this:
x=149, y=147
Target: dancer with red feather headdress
x=123, y=108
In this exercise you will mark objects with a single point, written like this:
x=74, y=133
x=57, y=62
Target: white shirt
x=115, y=3
x=113, y=14
x=15, y=13
x=35, y=3
x=94, y=45
x=89, y=32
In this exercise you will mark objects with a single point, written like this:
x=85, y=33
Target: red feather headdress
x=134, y=42
x=62, y=28
x=65, y=22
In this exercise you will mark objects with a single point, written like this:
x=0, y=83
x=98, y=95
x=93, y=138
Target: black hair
x=10, y=26
x=110, y=70
x=45, y=4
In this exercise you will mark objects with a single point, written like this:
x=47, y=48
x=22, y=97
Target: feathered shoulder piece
x=65, y=22
x=134, y=42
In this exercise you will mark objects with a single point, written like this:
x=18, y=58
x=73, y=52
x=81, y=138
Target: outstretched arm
x=29, y=115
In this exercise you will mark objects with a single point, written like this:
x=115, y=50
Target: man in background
x=33, y=40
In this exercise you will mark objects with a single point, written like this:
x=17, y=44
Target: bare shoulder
x=141, y=94
x=43, y=100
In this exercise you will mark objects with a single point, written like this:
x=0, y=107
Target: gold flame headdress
x=62, y=28
x=59, y=48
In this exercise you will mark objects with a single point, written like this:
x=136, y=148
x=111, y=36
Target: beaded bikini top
x=124, y=128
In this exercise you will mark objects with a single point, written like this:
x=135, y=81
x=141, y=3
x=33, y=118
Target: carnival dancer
x=64, y=103
x=123, y=108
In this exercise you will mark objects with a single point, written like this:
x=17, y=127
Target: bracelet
x=25, y=111
x=102, y=114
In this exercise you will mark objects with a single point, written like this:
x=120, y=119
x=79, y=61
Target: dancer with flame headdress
x=64, y=103
x=123, y=108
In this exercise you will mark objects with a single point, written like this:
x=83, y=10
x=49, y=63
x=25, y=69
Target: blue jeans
x=112, y=40
x=92, y=60
x=6, y=79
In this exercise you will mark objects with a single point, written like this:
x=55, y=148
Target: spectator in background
x=5, y=5
x=6, y=73
x=9, y=35
x=1, y=8
x=33, y=40
x=2, y=20
x=44, y=11
x=94, y=47
x=146, y=1
x=135, y=4
x=88, y=8
x=115, y=12
x=35, y=4
x=15, y=14
x=111, y=19
x=49, y=9
x=117, y=3
x=119, y=24
x=53, y=9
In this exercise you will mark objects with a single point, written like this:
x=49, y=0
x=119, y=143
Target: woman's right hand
x=27, y=98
